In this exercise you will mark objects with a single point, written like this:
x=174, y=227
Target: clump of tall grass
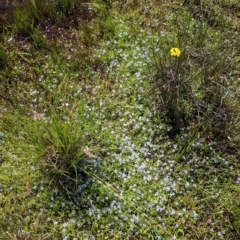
x=193, y=82
x=34, y=13
x=64, y=141
x=24, y=20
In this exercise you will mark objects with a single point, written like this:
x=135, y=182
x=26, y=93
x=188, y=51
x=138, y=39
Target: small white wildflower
x=238, y=180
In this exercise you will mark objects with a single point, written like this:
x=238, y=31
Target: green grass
x=105, y=135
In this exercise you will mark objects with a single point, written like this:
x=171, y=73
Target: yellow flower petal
x=175, y=52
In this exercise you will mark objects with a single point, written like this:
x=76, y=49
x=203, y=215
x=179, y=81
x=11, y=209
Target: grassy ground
x=106, y=134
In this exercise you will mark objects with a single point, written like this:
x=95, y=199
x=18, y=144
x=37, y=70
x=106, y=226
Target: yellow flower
x=175, y=52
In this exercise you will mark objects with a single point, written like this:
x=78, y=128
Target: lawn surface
x=107, y=134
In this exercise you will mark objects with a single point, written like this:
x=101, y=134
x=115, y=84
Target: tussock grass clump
x=28, y=15
x=61, y=141
x=192, y=87
x=24, y=21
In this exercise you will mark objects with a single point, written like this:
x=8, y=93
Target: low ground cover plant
x=120, y=125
